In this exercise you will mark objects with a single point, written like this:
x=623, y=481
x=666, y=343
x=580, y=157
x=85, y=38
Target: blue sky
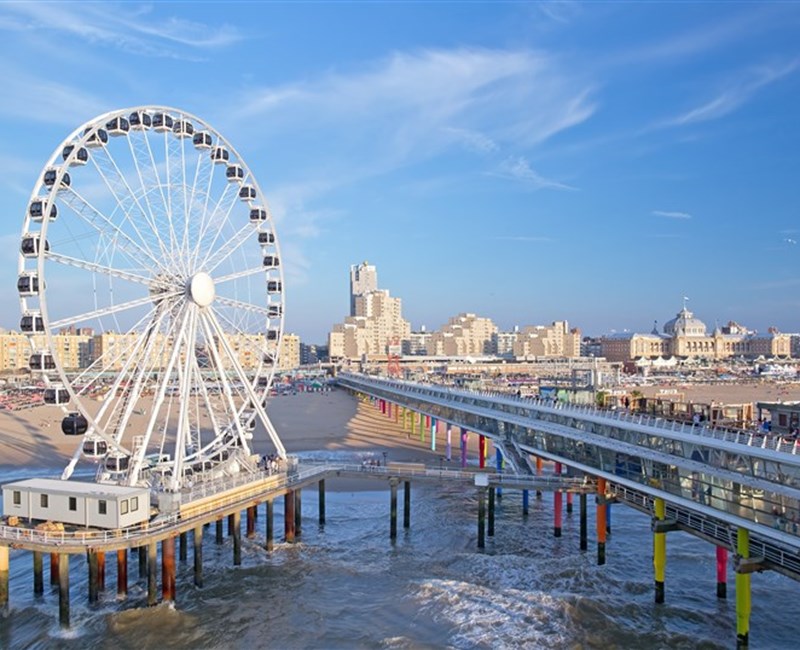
x=528, y=162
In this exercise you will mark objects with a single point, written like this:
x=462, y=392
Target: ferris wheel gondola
x=143, y=248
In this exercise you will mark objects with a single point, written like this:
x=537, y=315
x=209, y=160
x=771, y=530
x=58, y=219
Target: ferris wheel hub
x=200, y=289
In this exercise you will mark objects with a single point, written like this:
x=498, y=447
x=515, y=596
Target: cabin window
x=73, y=503
x=43, y=499
x=123, y=507
x=134, y=504
x=102, y=506
x=17, y=498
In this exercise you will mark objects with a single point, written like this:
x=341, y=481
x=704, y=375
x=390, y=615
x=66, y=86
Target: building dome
x=685, y=324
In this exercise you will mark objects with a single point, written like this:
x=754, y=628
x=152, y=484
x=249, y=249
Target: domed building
x=687, y=337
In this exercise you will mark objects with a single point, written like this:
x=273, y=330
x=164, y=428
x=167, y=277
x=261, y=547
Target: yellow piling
x=742, y=591
x=660, y=551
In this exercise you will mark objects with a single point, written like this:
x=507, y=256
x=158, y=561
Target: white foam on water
x=498, y=618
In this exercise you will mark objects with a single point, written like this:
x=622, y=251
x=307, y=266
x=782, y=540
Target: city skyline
x=526, y=162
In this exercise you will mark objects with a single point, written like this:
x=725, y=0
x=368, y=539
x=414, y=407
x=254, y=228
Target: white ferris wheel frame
x=197, y=318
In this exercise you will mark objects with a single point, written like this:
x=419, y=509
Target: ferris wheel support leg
x=255, y=399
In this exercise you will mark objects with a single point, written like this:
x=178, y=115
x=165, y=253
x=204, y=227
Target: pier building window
x=134, y=504
x=102, y=506
x=73, y=503
x=17, y=498
x=123, y=507
x=43, y=500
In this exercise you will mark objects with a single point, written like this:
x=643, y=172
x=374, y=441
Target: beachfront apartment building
x=378, y=323
x=363, y=280
x=463, y=335
x=555, y=340
x=72, y=350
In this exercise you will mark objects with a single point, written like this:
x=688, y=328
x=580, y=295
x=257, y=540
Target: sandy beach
x=332, y=424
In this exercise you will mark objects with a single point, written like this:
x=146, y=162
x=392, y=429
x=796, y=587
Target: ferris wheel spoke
x=105, y=226
x=136, y=150
x=219, y=216
x=183, y=434
x=255, y=399
x=240, y=274
x=164, y=207
x=123, y=194
x=108, y=311
x=227, y=248
x=96, y=268
x=245, y=306
x=89, y=377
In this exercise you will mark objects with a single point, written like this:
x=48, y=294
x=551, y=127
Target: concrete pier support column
x=449, y=447
x=142, y=562
x=608, y=518
x=722, y=572
x=251, y=522
x=4, y=579
x=63, y=590
x=270, y=528
x=122, y=574
x=660, y=550
x=298, y=512
x=197, y=550
x=182, y=550
x=742, y=591
x=406, y=504
x=464, y=435
x=91, y=557
x=481, y=451
x=53, y=568
x=152, y=574
x=288, y=516
x=101, y=571
x=490, y=527
x=322, y=502
x=219, y=531
x=538, y=473
x=600, y=520
x=168, y=570
x=38, y=573
x=393, y=509
x=481, y=517
x=525, y=502
x=237, y=538
x=583, y=535
x=569, y=502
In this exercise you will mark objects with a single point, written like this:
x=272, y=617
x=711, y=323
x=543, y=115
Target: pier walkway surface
x=714, y=483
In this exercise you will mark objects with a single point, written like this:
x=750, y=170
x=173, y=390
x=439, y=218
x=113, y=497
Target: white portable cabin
x=72, y=502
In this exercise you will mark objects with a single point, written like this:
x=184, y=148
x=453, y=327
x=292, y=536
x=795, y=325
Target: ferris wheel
x=151, y=291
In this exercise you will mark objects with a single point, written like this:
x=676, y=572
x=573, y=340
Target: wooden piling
x=490, y=527
x=393, y=509
x=237, y=538
x=122, y=574
x=38, y=574
x=197, y=548
x=152, y=575
x=168, y=570
x=322, y=502
x=406, y=504
x=270, y=532
x=63, y=590
x=288, y=516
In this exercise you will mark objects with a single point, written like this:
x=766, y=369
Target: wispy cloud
x=121, y=26
x=518, y=168
x=561, y=11
x=738, y=92
x=418, y=104
x=670, y=214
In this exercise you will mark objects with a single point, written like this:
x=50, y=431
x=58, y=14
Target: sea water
x=346, y=585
